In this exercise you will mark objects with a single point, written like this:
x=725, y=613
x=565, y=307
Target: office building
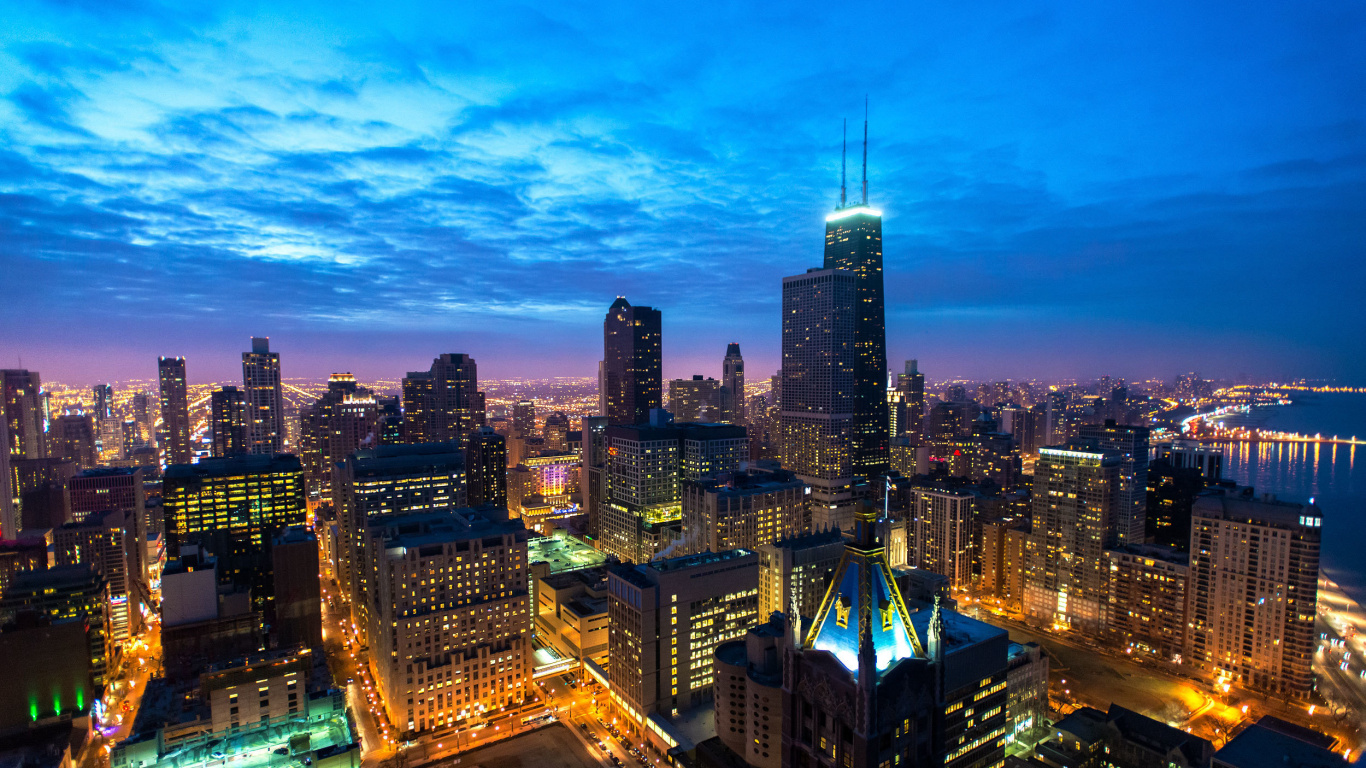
x=556, y=433
x=853, y=242
x=696, y=399
x=66, y=593
x=1147, y=605
x=749, y=693
x=862, y=689
x=108, y=543
x=175, y=410
x=733, y=405
x=103, y=396
x=72, y=437
x=486, y=479
x=383, y=482
x=264, y=398
x=942, y=540
x=24, y=413
x=907, y=402
x=644, y=474
x=592, y=478
x=1076, y=489
x=1254, y=569
x=1027, y=692
x=667, y=618
x=817, y=400
x=235, y=506
x=227, y=422
x=344, y=419
x=450, y=617
x=524, y=418
x=632, y=376
x=298, y=603
x=1128, y=523
x=743, y=510
x=443, y=404
x=796, y=572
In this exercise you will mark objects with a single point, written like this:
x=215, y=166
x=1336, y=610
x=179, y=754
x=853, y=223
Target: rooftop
x=563, y=553
x=245, y=464
x=1260, y=746
x=439, y=527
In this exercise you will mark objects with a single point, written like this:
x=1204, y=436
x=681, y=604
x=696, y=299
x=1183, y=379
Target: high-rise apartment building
x=450, y=617
x=235, y=506
x=743, y=510
x=817, y=394
x=1254, y=572
x=382, y=482
x=942, y=519
x=1147, y=606
x=264, y=398
x=24, y=413
x=733, y=403
x=796, y=572
x=486, y=478
x=632, y=362
x=1076, y=489
x=643, y=482
x=175, y=410
x=592, y=477
x=115, y=489
x=228, y=422
x=444, y=403
x=343, y=420
x=853, y=242
x=1127, y=528
x=666, y=619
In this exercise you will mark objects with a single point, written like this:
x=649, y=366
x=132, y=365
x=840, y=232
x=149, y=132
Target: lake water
x=1332, y=475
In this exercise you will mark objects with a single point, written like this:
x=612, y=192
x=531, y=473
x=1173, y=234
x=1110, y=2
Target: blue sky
x=1068, y=190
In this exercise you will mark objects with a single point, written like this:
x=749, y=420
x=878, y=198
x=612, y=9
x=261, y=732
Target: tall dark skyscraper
x=733, y=384
x=486, y=463
x=228, y=422
x=632, y=362
x=175, y=409
x=104, y=402
x=907, y=401
x=265, y=400
x=853, y=242
x=444, y=403
x=22, y=403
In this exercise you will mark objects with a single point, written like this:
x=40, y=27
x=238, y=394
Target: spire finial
x=844, y=151
x=865, y=150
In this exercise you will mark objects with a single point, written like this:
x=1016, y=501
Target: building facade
x=227, y=422
x=632, y=367
x=743, y=510
x=175, y=410
x=265, y=404
x=797, y=572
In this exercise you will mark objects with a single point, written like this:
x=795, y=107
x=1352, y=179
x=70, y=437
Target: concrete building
x=798, y=571
x=108, y=543
x=749, y=693
x=696, y=399
x=743, y=510
x=942, y=539
x=1254, y=572
x=572, y=613
x=667, y=618
x=1147, y=610
x=450, y=616
x=68, y=593
x=387, y=481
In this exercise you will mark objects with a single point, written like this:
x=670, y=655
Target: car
x=282, y=751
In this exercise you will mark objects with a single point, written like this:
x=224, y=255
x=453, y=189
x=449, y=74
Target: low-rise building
x=1027, y=687
x=571, y=613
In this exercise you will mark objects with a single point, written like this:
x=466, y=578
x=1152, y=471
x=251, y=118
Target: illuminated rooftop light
x=852, y=210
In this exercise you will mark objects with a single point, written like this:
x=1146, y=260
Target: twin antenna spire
x=844, y=152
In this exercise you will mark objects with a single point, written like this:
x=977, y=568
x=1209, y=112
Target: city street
x=123, y=695
x=349, y=671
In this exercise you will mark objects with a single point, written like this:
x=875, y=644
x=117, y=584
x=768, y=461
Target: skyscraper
x=486, y=460
x=9, y=510
x=632, y=362
x=817, y=392
x=175, y=409
x=343, y=419
x=228, y=422
x=104, y=401
x=444, y=403
x=264, y=398
x=524, y=418
x=697, y=399
x=1129, y=524
x=853, y=242
x=23, y=411
x=733, y=384
x=1076, y=488
x=907, y=400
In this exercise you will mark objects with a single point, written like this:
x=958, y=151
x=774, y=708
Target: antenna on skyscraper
x=865, y=150
x=844, y=150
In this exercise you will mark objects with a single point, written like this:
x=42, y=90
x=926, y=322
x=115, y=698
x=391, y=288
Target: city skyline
x=369, y=191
